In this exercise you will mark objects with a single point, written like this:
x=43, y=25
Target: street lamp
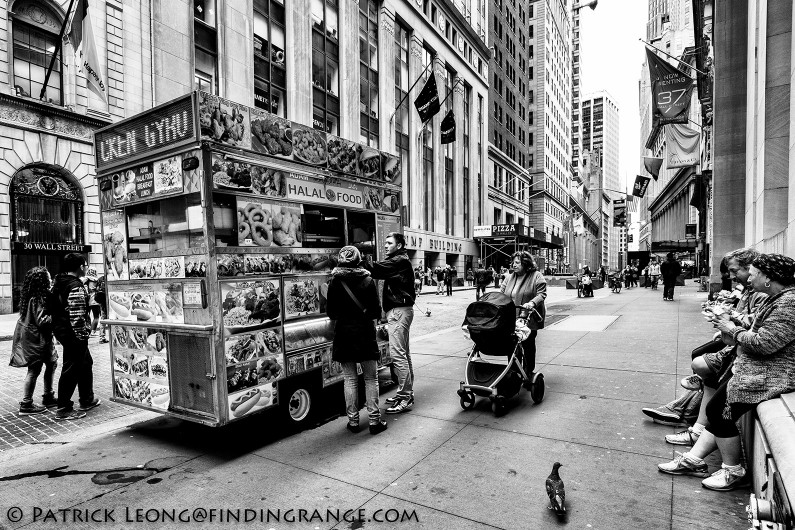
x=591, y=4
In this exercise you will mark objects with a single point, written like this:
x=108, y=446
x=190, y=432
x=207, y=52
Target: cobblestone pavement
x=20, y=430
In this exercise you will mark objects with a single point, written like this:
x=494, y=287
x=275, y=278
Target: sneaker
x=392, y=400
x=353, y=427
x=49, y=401
x=94, y=404
x=682, y=465
x=665, y=416
x=692, y=382
x=375, y=428
x=725, y=479
x=31, y=409
x=63, y=415
x=404, y=405
x=686, y=437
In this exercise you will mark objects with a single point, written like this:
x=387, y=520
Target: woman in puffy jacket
x=32, y=345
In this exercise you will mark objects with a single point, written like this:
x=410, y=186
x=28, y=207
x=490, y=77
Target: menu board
x=251, y=399
x=251, y=304
x=301, y=362
x=269, y=223
x=155, y=268
x=146, y=181
x=167, y=175
x=140, y=365
x=114, y=245
x=257, y=264
x=224, y=121
x=154, y=302
x=302, y=296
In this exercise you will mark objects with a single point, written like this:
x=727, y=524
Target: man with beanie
x=398, y=302
x=71, y=326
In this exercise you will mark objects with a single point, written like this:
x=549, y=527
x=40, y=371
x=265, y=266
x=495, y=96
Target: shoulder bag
x=354, y=297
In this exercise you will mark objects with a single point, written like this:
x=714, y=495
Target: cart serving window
x=221, y=224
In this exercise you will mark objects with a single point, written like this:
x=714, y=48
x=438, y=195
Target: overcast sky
x=611, y=57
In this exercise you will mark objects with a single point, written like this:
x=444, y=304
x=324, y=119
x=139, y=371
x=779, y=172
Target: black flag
x=448, y=128
x=670, y=89
x=641, y=183
x=427, y=102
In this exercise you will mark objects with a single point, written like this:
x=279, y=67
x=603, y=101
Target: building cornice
x=34, y=115
x=675, y=187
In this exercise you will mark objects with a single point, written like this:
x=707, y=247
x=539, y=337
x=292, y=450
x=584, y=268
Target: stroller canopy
x=491, y=322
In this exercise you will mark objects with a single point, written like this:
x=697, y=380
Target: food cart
x=221, y=224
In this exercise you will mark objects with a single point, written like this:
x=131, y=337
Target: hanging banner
x=682, y=145
x=620, y=212
x=641, y=185
x=670, y=88
x=653, y=165
x=448, y=128
x=427, y=102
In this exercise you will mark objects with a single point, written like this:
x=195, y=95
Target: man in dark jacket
x=669, y=270
x=72, y=326
x=482, y=279
x=448, y=280
x=439, y=279
x=398, y=302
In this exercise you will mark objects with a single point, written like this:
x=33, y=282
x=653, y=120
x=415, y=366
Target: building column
x=298, y=58
x=418, y=197
x=386, y=81
x=349, y=70
x=238, y=68
x=458, y=161
x=438, y=194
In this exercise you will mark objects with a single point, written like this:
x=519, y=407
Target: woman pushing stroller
x=528, y=289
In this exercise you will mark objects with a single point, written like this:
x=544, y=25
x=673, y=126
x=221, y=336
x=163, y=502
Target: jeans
x=529, y=347
x=654, y=280
x=480, y=290
x=77, y=373
x=668, y=290
x=351, y=385
x=719, y=426
x=29, y=386
x=449, y=287
x=399, y=321
x=439, y=285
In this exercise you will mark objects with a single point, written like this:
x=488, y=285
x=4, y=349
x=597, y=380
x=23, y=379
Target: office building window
x=428, y=177
x=402, y=144
x=269, y=65
x=33, y=49
x=205, y=46
x=368, y=71
x=325, y=66
x=467, y=135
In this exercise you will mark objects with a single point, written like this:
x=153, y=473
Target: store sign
x=46, y=248
x=482, y=231
x=303, y=189
x=690, y=231
x=620, y=212
x=166, y=126
x=508, y=230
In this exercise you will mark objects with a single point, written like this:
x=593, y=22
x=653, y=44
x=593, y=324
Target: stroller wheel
x=467, y=400
x=537, y=389
x=498, y=406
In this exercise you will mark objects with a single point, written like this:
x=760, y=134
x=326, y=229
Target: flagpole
x=409, y=91
x=671, y=56
x=57, y=49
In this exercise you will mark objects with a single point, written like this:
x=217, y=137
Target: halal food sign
x=303, y=189
x=163, y=127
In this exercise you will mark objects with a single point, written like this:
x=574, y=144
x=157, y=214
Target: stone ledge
x=777, y=421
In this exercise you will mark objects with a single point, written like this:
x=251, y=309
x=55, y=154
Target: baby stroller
x=584, y=286
x=494, y=367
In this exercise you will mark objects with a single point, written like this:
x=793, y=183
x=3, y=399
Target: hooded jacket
x=398, y=274
x=69, y=308
x=354, y=328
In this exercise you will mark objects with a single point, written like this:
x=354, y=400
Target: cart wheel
x=299, y=404
x=537, y=389
x=467, y=401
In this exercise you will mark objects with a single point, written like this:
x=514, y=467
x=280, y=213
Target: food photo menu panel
x=140, y=365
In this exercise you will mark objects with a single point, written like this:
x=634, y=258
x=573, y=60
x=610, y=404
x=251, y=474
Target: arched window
x=35, y=29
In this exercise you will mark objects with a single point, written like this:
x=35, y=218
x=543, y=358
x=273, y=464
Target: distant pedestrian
x=482, y=280
x=496, y=277
x=654, y=273
x=70, y=324
x=670, y=270
x=428, y=276
x=353, y=305
x=439, y=279
x=90, y=281
x=100, y=296
x=602, y=274
x=32, y=345
x=448, y=280
x=470, y=276
x=418, y=280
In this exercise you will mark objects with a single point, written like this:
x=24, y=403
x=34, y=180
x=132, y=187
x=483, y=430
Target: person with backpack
x=71, y=326
x=482, y=280
x=353, y=306
x=448, y=280
x=439, y=279
x=32, y=345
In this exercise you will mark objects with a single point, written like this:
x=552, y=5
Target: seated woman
x=763, y=369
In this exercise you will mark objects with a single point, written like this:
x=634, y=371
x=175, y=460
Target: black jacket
x=398, y=274
x=68, y=306
x=354, y=329
x=670, y=269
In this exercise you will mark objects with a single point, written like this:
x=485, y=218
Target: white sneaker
x=687, y=437
x=725, y=479
x=692, y=382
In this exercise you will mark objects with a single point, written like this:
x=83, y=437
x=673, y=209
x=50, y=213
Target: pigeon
x=556, y=491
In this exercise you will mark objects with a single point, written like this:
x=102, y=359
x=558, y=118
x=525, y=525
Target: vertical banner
x=670, y=88
x=620, y=212
x=448, y=128
x=427, y=102
x=81, y=36
x=683, y=146
x=641, y=185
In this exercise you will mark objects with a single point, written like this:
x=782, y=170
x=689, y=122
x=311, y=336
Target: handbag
x=712, y=346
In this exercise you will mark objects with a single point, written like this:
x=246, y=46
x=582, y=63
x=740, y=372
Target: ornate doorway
x=46, y=220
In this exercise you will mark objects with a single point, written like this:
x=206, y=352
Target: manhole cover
x=551, y=319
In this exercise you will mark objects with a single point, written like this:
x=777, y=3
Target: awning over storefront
x=508, y=238
x=681, y=245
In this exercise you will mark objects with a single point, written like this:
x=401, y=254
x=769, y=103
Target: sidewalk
x=450, y=468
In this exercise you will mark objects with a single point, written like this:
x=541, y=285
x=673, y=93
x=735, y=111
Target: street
x=438, y=466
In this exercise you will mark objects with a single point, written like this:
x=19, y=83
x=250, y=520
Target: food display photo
x=370, y=164
x=303, y=334
x=248, y=346
x=267, y=263
x=146, y=269
x=391, y=201
x=302, y=296
x=268, y=223
x=332, y=370
x=343, y=155
x=230, y=265
x=250, y=400
x=268, y=182
x=313, y=262
x=140, y=365
x=250, y=304
x=120, y=306
x=373, y=198
x=114, y=245
x=168, y=175
x=309, y=145
x=271, y=135
x=224, y=121
x=196, y=266
x=174, y=267
x=301, y=362
x=391, y=170
x=231, y=175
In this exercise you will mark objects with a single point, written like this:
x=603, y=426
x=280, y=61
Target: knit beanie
x=350, y=256
x=777, y=268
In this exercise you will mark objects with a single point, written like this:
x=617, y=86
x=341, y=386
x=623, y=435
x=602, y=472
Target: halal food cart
x=221, y=224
